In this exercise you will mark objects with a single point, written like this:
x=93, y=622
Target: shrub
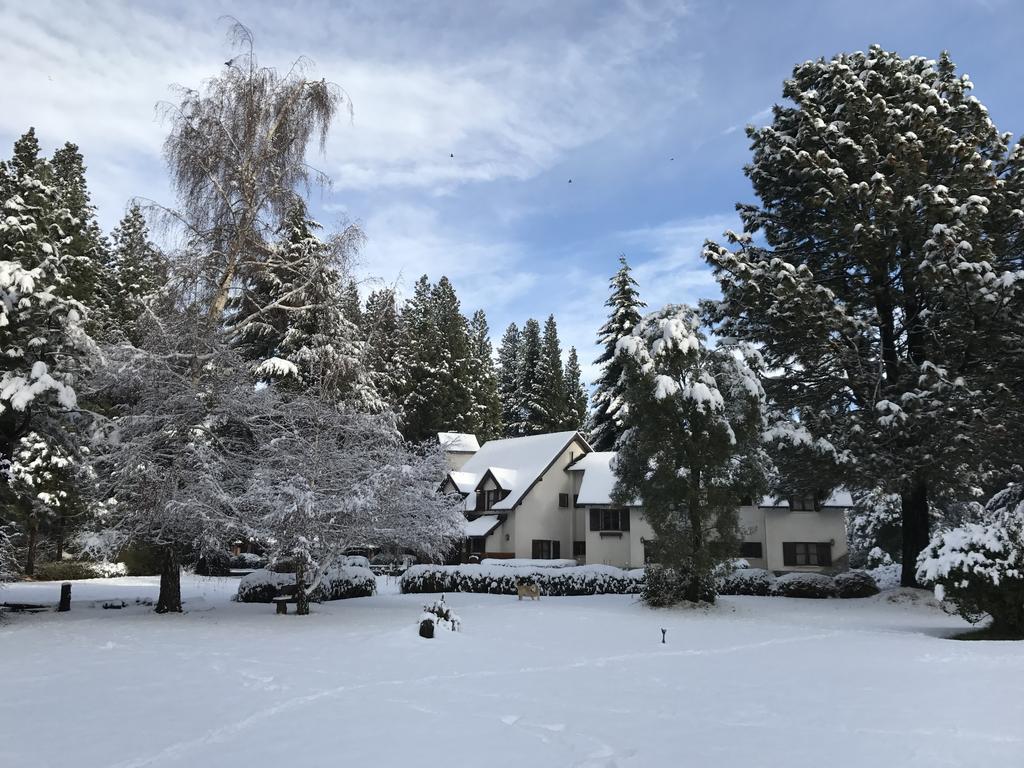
x=247, y=560
x=338, y=583
x=216, y=562
x=501, y=580
x=442, y=616
x=855, y=584
x=814, y=585
x=981, y=567
x=747, y=581
x=65, y=570
x=663, y=587
x=141, y=560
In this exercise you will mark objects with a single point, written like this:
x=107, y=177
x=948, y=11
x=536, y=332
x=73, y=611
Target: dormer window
x=806, y=501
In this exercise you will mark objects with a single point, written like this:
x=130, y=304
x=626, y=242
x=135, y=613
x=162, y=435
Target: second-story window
x=493, y=497
x=804, y=502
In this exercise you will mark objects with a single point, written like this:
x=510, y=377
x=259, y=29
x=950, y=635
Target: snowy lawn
x=565, y=681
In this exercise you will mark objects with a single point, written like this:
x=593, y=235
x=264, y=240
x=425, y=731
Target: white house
x=549, y=496
x=458, y=447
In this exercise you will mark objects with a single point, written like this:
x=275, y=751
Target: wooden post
x=65, y=598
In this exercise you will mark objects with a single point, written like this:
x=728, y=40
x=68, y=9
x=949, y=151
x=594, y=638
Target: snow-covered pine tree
x=351, y=303
x=692, y=446
x=380, y=333
x=575, y=413
x=139, y=270
x=290, y=319
x=86, y=251
x=531, y=412
x=486, y=400
x=549, y=386
x=885, y=295
x=421, y=360
x=508, y=380
x=456, y=377
x=624, y=304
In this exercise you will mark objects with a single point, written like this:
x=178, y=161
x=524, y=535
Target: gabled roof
x=598, y=479
x=516, y=463
x=481, y=526
x=458, y=442
x=839, y=499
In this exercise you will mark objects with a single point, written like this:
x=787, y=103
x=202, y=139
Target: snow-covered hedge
x=816, y=585
x=337, y=584
x=501, y=579
x=519, y=562
x=981, y=566
x=747, y=581
x=244, y=560
x=855, y=584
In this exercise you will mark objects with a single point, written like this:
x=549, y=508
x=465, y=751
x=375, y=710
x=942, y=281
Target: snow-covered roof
x=464, y=481
x=598, y=479
x=516, y=463
x=458, y=442
x=482, y=526
x=839, y=498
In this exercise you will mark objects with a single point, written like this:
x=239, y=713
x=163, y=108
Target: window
x=476, y=545
x=543, y=549
x=609, y=519
x=751, y=549
x=806, y=553
x=579, y=549
x=804, y=502
x=563, y=500
x=493, y=497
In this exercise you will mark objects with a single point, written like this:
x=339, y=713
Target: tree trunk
x=916, y=532
x=59, y=536
x=32, y=540
x=301, y=596
x=170, y=583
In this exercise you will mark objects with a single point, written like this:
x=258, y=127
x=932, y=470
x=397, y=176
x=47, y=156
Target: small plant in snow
x=442, y=616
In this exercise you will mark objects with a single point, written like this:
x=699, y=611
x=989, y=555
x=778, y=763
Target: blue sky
x=641, y=104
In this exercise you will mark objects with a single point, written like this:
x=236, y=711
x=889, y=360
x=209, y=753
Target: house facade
x=549, y=497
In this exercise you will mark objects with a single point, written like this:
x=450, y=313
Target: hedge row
x=756, y=581
x=501, y=580
x=337, y=584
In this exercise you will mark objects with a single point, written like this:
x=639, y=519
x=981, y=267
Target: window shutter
x=824, y=554
x=625, y=519
x=563, y=500
x=788, y=553
x=595, y=519
x=480, y=505
x=537, y=555
x=556, y=550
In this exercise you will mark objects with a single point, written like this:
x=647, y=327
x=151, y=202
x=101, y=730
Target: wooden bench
x=285, y=595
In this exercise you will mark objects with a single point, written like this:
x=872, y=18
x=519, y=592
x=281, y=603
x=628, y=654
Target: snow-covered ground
x=560, y=682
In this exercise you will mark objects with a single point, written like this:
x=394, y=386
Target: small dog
x=531, y=591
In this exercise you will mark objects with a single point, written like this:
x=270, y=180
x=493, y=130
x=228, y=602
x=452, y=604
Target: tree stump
x=427, y=628
x=65, y=598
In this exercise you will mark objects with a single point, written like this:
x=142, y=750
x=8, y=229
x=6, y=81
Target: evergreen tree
x=531, y=412
x=455, y=376
x=605, y=425
x=421, y=360
x=575, y=394
x=139, y=269
x=508, y=380
x=888, y=294
x=691, y=449
x=487, y=409
x=85, y=250
x=549, y=386
x=350, y=302
x=380, y=332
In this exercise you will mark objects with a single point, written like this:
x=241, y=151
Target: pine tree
x=887, y=292
x=605, y=425
x=692, y=447
x=549, y=386
x=350, y=302
x=420, y=356
x=455, y=376
x=575, y=394
x=380, y=332
x=532, y=412
x=138, y=267
x=86, y=250
x=508, y=380
x=486, y=399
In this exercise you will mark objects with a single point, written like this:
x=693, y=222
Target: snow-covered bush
x=215, y=562
x=247, y=560
x=855, y=584
x=8, y=559
x=355, y=561
x=886, y=576
x=338, y=583
x=980, y=566
x=516, y=562
x=501, y=580
x=815, y=585
x=442, y=616
x=747, y=581
x=65, y=570
x=670, y=586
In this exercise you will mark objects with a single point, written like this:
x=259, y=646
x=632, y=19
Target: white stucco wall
x=622, y=551
x=781, y=525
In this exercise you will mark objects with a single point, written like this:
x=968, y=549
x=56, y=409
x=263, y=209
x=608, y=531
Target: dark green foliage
x=65, y=570
x=213, y=563
x=141, y=559
x=494, y=580
x=486, y=424
x=813, y=585
x=575, y=411
x=549, y=392
x=663, y=587
x=509, y=355
x=139, y=270
x=855, y=584
x=747, y=581
x=380, y=332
